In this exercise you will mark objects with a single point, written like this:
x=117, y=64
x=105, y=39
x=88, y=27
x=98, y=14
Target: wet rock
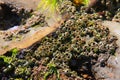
x=114, y=63
x=9, y=69
x=19, y=5
x=13, y=12
x=80, y=47
x=110, y=71
x=111, y=25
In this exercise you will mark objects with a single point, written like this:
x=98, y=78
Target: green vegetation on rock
x=51, y=6
x=52, y=70
x=12, y=54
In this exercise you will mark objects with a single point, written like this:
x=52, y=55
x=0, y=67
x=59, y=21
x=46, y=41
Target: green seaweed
x=14, y=52
x=52, y=70
x=50, y=5
x=86, y=2
x=8, y=59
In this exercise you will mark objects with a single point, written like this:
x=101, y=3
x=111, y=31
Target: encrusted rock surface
x=80, y=47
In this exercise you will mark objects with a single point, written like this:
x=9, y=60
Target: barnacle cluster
x=66, y=7
x=79, y=38
x=17, y=65
x=111, y=5
x=106, y=4
x=82, y=34
x=36, y=20
x=117, y=17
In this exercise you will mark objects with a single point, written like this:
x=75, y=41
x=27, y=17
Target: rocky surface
x=82, y=44
x=110, y=70
x=21, y=30
x=22, y=4
x=14, y=12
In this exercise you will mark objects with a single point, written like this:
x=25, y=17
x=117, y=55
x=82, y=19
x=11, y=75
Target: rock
x=114, y=28
x=20, y=4
x=1, y=12
x=111, y=69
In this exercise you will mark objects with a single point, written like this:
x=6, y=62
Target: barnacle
x=76, y=38
x=20, y=71
x=52, y=70
x=79, y=36
x=117, y=17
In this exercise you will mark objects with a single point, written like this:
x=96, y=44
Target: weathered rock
x=21, y=8
x=114, y=28
x=22, y=4
x=110, y=70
